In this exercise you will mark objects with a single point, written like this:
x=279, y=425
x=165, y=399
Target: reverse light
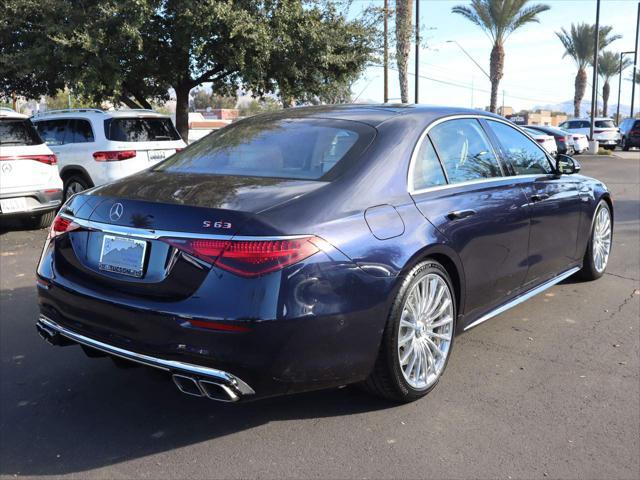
x=61, y=225
x=46, y=159
x=248, y=258
x=113, y=156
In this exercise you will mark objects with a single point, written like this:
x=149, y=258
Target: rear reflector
x=61, y=225
x=247, y=258
x=47, y=159
x=218, y=326
x=114, y=156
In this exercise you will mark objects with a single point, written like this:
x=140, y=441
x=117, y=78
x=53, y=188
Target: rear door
x=481, y=211
x=554, y=200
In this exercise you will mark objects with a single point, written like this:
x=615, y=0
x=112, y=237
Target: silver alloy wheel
x=426, y=330
x=601, y=239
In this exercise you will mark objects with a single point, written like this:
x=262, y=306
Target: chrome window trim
x=152, y=234
x=425, y=132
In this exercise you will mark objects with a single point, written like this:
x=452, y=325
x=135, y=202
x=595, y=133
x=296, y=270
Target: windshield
x=140, y=129
x=18, y=131
x=306, y=149
x=605, y=124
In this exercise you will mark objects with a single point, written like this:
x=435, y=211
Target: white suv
x=95, y=146
x=30, y=187
x=604, y=130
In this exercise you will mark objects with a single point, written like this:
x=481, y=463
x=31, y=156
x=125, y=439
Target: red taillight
x=599, y=131
x=634, y=132
x=248, y=258
x=114, y=156
x=540, y=140
x=48, y=159
x=62, y=225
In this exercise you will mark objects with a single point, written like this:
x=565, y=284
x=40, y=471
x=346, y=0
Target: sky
x=535, y=71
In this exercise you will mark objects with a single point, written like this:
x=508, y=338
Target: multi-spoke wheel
x=74, y=184
x=418, y=337
x=597, y=254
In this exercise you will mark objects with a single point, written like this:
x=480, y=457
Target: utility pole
x=635, y=63
x=594, y=86
x=386, y=51
x=417, y=48
x=622, y=54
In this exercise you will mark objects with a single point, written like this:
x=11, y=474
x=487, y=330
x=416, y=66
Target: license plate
x=157, y=155
x=11, y=205
x=122, y=255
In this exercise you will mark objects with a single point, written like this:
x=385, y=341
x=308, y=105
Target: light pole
x=386, y=51
x=635, y=63
x=622, y=54
x=594, y=87
x=417, y=47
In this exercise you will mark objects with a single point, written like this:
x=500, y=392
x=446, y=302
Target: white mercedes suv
x=30, y=187
x=96, y=146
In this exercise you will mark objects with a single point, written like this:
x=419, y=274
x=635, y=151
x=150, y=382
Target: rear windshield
x=306, y=149
x=605, y=124
x=18, y=131
x=140, y=129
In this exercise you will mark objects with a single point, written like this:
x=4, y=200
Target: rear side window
x=18, y=131
x=465, y=151
x=53, y=132
x=277, y=148
x=80, y=132
x=605, y=124
x=525, y=156
x=140, y=129
x=427, y=171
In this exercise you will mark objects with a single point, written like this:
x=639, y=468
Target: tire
x=625, y=145
x=592, y=269
x=40, y=221
x=610, y=147
x=389, y=378
x=74, y=184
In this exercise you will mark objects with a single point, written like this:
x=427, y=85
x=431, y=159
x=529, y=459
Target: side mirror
x=566, y=165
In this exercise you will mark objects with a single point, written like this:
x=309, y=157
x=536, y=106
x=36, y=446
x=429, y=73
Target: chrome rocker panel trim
x=523, y=297
x=168, y=365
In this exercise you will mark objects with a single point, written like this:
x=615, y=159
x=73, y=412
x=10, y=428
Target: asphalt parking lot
x=549, y=389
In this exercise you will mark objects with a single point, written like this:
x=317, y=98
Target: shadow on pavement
x=62, y=412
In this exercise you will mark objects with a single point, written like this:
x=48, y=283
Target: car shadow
x=62, y=412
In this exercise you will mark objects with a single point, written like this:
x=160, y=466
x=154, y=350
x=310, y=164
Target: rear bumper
x=238, y=388
x=38, y=201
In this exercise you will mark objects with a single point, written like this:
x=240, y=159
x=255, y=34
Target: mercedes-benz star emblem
x=6, y=167
x=116, y=211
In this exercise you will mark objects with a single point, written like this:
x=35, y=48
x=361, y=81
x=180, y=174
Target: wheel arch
x=70, y=170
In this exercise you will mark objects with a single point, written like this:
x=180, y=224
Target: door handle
x=460, y=214
x=538, y=197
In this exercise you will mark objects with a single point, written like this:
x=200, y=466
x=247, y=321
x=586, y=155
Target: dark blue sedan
x=319, y=247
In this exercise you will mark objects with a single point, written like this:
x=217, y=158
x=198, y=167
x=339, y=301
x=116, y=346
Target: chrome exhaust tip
x=51, y=336
x=218, y=391
x=187, y=385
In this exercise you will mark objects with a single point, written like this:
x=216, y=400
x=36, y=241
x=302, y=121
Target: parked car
x=96, y=147
x=546, y=141
x=318, y=247
x=604, y=131
x=580, y=143
x=30, y=187
x=564, y=142
x=630, y=133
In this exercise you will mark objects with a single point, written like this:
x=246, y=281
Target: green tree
x=578, y=44
x=136, y=52
x=609, y=67
x=499, y=19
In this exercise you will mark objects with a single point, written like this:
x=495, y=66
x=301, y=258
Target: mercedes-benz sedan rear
x=319, y=247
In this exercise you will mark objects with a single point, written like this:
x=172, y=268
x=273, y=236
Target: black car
x=319, y=247
x=630, y=133
x=562, y=138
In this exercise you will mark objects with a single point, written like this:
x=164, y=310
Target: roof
x=74, y=112
x=10, y=113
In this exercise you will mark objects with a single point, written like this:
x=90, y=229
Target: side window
x=80, y=131
x=465, y=150
x=52, y=131
x=564, y=125
x=526, y=157
x=427, y=171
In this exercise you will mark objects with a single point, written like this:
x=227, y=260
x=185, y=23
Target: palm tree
x=499, y=19
x=609, y=67
x=578, y=44
x=404, y=9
